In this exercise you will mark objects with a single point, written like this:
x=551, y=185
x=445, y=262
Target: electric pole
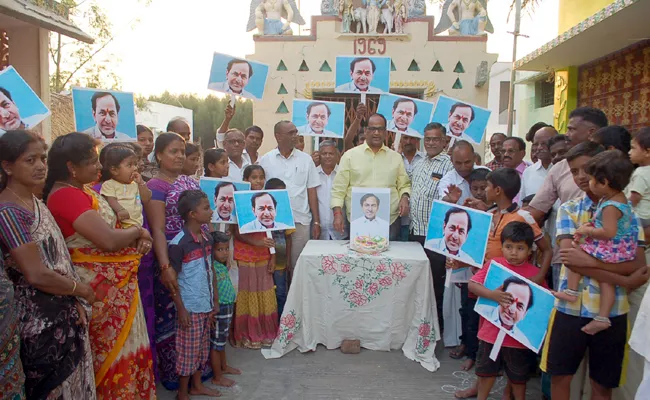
x=513, y=75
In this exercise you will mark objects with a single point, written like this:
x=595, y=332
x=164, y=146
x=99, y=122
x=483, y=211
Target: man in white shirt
x=362, y=72
x=238, y=74
x=370, y=224
x=106, y=111
x=265, y=210
x=318, y=115
x=456, y=227
x=404, y=112
x=533, y=176
x=329, y=158
x=508, y=317
x=254, y=136
x=461, y=116
x=411, y=157
x=233, y=143
x=454, y=186
x=297, y=170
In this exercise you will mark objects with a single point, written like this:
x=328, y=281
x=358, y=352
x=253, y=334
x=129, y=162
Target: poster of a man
x=370, y=213
x=105, y=115
x=458, y=232
x=463, y=121
x=319, y=118
x=237, y=76
x=409, y=116
x=526, y=317
x=362, y=74
x=20, y=107
x=263, y=210
x=222, y=199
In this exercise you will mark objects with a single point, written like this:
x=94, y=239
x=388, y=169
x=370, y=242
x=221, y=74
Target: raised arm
x=353, y=131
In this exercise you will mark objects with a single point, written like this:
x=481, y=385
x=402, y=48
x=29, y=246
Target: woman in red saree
x=107, y=258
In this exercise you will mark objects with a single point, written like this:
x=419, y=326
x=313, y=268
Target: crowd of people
x=115, y=276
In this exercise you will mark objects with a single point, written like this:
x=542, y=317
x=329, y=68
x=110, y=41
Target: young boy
x=503, y=186
x=223, y=319
x=478, y=183
x=281, y=262
x=515, y=359
x=190, y=254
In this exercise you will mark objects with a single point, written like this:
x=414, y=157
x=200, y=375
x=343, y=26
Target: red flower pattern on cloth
x=373, y=288
x=358, y=298
x=345, y=268
x=328, y=264
x=386, y=281
x=397, y=269
x=289, y=321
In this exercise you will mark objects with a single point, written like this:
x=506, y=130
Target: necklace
x=69, y=185
x=29, y=207
x=166, y=177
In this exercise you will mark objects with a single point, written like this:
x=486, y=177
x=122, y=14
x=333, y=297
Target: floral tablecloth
x=386, y=301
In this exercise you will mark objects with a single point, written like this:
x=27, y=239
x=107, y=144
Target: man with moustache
x=10, y=118
x=318, y=115
x=455, y=230
x=514, y=151
x=106, y=111
x=372, y=164
x=533, y=176
x=411, y=156
x=461, y=116
x=362, y=72
x=496, y=145
x=327, y=171
x=233, y=143
x=404, y=111
x=224, y=203
x=254, y=136
x=238, y=74
x=426, y=176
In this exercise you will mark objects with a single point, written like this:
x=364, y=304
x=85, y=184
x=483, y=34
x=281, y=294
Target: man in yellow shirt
x=372, y=165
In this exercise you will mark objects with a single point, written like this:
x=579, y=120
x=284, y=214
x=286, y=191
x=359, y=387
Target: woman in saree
x=165, y=222
x=106, y=258
x=52, y=304
x=12, y=377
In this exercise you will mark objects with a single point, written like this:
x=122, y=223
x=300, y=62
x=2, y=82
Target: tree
x=80, y=64
x=209, y=112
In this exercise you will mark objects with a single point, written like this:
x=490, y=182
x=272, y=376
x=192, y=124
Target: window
x=504, y=95
x=544, y=93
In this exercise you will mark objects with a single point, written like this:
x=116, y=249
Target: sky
x=170, y=46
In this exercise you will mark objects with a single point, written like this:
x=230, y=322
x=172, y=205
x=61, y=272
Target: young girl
x=215, y=163
x=192, y=159
x=122, y=185
x=612, y=237
x=638, y=191
x=145, y=140
x=255, y=291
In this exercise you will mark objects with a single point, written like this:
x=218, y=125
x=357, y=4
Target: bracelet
x=316, y=223
x=74, y=287
x=164, y=267
x=338, y=212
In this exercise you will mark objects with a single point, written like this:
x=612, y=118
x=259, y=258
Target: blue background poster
x=254, y=90
x=83, y=111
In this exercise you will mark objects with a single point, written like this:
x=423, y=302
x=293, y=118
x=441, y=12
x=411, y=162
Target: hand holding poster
x=405, y=115
x=526, y=318
x=222, y=200
x=463, y=121
x=104, y=114
x=238, y=76
x=319, y=118
x=20, y=107
x=362, y=74
x=370, y=219
x=458, y=232
x=263, y=211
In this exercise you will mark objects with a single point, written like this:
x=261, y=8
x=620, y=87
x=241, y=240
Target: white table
x=386, y=301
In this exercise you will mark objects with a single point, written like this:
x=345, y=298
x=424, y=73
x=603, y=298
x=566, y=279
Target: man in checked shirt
x=425, y=177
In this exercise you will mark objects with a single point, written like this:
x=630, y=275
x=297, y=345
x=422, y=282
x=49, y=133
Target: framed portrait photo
x=526, y=319
x=238, y=76
x=263, y=211
x=463, y=121
x=319, y=118
x=458, y=232
x=221, y=192
x=370, y=219
x=405, y=115
x=362, y=74
x=107, y=115
x=22, y=108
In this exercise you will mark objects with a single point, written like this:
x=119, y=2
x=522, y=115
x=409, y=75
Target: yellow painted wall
x=572, y=12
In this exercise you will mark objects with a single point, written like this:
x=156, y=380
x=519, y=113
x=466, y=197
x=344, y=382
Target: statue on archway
x=416, y=8
x=346, y=12
x=464, y=17
x=387, y=16
x=401, y=15
x=373, y=8
x=267, y=15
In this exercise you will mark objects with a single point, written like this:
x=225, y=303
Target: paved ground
x=332, y=375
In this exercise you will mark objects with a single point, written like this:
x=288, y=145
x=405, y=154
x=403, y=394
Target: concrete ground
x=332, y=375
